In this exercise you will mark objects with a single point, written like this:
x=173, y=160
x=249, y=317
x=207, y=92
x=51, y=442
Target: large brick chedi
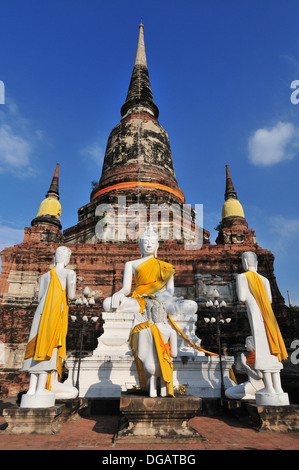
x=137, y=169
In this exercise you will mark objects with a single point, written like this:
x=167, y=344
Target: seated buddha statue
x=153, y=278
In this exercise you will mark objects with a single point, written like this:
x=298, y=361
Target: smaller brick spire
x=50, y=209
x=233, y=228
x=231, y=207
x=230, y=192
x=54, y=187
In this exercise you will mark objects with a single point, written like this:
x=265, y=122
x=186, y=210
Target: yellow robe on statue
x=150, y=277
x=165, y=361
x=275, y=340
x=163, y=353
x=53, y=326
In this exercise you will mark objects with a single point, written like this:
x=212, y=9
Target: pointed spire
x=54, y=190
x=231, y=207
x=139, y=96
x=230, y=192
x=50, y=209
x=140, y=58
x=290, y=303
x=233, y=228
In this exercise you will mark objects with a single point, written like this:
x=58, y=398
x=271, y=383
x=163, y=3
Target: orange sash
x=133, y=340
x=150, y=277
x=163, y=353
x=53, y=326
x=276, y=343
x=250, y=359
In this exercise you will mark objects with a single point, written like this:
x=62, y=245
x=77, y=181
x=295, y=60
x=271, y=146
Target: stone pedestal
x=111, y=369
x=47, y=400
x=33, y=420
x=270, y=399
x=108, y=376
x=117, y=327
x=145, y=418
x=274, y=418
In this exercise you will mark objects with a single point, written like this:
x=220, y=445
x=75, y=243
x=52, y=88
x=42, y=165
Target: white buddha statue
x=255, y=291
x=46, y=348
x=152, y=277
x=157, y=344
x=248, y=389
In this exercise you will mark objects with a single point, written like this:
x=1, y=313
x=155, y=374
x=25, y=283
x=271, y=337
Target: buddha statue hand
x=117, y=299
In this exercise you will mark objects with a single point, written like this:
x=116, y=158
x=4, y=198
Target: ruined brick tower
x=138, y=163
x=138, y=166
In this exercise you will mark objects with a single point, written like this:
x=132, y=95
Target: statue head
x=62, y=255
x=249, y=260
x=156, y=312
x=159, y=314
x=149, y=242
x=249, y=343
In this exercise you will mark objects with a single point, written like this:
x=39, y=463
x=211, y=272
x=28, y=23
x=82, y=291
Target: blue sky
x=221, y=74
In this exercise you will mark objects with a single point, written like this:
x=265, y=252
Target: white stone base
x=112, y=370
x=117, y=328
x=45, y=400
x=109, y=376
x=270, y=399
